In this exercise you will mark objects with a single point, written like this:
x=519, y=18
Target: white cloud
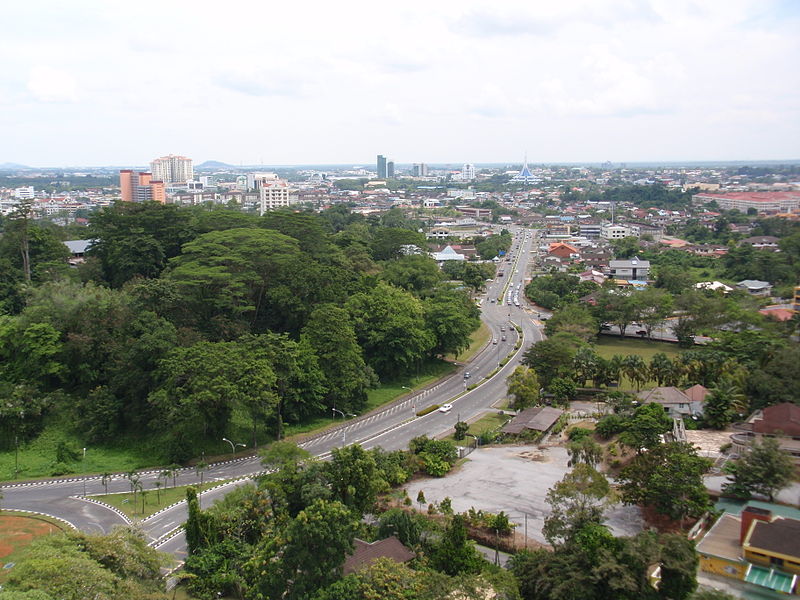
x=48, y=84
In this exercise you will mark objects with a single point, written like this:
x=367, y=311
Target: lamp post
x=233, y=447
x=413, y=405
x=344, y=416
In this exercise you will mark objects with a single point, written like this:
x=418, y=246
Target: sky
x=249, y=82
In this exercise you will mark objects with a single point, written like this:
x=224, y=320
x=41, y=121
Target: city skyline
x=449, y=82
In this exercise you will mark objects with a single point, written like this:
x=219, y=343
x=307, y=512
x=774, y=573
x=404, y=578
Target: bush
x=428, y=410
x=60, y=468
x=461, y=430
x=434, y=465
x=576, y=434
x=609, y=426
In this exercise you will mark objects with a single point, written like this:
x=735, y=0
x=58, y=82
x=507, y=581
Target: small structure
x=714, y=286
x=537, y=418
x=447, y=254
x=364, y=553
x=77, y=249
x=677, y=403
x=780, y=421
x=634, y=268
x=755, y=287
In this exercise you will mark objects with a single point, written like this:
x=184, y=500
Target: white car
x=446, y=407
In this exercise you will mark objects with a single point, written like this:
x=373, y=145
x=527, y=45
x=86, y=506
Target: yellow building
x=754, y=548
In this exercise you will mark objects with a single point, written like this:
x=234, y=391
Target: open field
x=153, y=502
x=17, y=532
x=514, y=479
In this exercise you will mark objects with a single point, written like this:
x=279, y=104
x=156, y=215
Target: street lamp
x=233, y=446
x=413, y=405
x=344, y=416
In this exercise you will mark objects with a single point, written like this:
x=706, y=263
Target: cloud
x=261, y=83
x=48, y=84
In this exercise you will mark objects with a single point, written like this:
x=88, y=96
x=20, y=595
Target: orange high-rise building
x=140, y=187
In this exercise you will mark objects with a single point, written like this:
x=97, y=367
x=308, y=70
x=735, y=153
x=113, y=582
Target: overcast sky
x=318, y=81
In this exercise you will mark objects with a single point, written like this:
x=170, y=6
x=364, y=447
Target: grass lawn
x=486, y=423
x=17, y=531
x=477, y=341
x=609, y=345
x=385, y=393
x=152, y=502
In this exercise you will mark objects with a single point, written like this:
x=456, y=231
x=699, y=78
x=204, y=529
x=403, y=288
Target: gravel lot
x=515, y=480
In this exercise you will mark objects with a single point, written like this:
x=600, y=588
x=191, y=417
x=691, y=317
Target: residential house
x=755, y=287
x=755, y=547
x=630, y=269
x=677, y=403
x=77, y=249
x=592, y=275
x=563, y=251
x=761, y=242
x=364, y=553
x=780, y=421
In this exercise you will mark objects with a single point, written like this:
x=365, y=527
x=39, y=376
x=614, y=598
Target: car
x=605, y=327
x=502, y=338
x=503, y=328
x=641, y=332
x=446, y=407
x=494, y=341
x=467, y=375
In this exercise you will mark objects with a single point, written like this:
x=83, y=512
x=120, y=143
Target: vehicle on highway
x=494, y=341
x=467, y=375
x=503, y=328
x=502, y=338
x=641, y=332
x=446, y=407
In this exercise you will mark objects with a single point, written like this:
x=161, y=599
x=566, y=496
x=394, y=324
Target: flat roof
x=722, y=540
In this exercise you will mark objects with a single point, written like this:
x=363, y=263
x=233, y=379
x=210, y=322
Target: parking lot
x=514, y=479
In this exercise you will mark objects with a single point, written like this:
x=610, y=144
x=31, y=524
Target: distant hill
x=212, y=164
x=8, y=166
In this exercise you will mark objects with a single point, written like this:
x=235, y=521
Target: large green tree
x=523, y=387
x=577, y=500
x=765, y=469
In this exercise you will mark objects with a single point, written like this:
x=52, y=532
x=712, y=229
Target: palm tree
x=158, y=485
x=635, y=369
x=724, y=404
x=660, y=368
x=143, y=493
x=200, y=469
x=585, y=362
x=166, y=474
x=104, y=479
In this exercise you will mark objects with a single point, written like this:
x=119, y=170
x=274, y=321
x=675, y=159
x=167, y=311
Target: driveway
x=514, y=479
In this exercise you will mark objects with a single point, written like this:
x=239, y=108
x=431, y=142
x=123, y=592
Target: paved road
x=390, y=428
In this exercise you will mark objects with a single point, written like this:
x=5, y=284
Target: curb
x=41, y=514
x=124, y=517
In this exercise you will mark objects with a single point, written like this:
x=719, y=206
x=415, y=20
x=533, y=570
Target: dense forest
x=182, y=322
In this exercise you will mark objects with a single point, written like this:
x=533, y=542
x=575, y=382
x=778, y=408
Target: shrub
x=576, y=434
x=60, y=468
x=461, y=430
x=610, y=425
x=430, y=409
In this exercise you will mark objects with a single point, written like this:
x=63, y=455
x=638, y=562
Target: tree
x=586, y=363
x=765, y=469
x=724, y=404
x=415, y=273
x=461, y=429
x=390, y=327
x=398, y=522
x=577, y=500
x=575, y=319
x=330, y=333
x=635, y=369
x=553, y=357
x=307, y=555
x=455, y=554
x=353, y=478
x=679, y=562
x=644, y=429
x=668, y=477
x=586, y=451
x=452, y=317
x=523, y=386
x=652, y=307
x=662, y=370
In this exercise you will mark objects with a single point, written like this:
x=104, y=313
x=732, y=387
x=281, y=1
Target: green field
x=153, y=502
x=609, y=345
x=486, y=423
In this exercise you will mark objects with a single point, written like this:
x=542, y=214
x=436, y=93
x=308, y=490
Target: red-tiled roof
x=784, y=418
x=364, y=553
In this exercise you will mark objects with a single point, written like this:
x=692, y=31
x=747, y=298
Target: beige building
x=172, y=169
x=274, y=194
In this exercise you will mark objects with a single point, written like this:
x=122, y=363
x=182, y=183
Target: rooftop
x=365, y=552
x=722, y=540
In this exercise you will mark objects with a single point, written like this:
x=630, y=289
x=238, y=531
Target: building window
x=778, y=562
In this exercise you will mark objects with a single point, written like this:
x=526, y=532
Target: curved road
x=390, y=428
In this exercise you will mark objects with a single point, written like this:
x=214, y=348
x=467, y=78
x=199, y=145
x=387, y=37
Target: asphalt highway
x=390, y=427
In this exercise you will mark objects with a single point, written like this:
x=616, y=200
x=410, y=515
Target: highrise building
x=273, y=194
x=256, y=180
x=390, y=169
x=381, y=166
x=419, y=170
x=141, y=187
x=172, y=169
x=468, y=172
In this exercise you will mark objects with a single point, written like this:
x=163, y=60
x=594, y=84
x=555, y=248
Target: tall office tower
x=141, y=187
x=274, y=193
x=390, y=169
x=419, y=170
x=381, y=166
x=172, y=169
x=468, y=172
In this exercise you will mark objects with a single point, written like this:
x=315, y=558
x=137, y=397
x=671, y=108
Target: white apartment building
x=172, y=169
x=274, y=194
x=25, y=193
x=468, y=172
x=256, y=180
x=610, y=231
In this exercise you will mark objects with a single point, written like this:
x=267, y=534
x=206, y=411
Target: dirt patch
x=535, y=455
x=16, y=533
x=707, y=441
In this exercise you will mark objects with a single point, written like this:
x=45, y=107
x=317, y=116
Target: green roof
x=735, y=507
x=770, y=578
